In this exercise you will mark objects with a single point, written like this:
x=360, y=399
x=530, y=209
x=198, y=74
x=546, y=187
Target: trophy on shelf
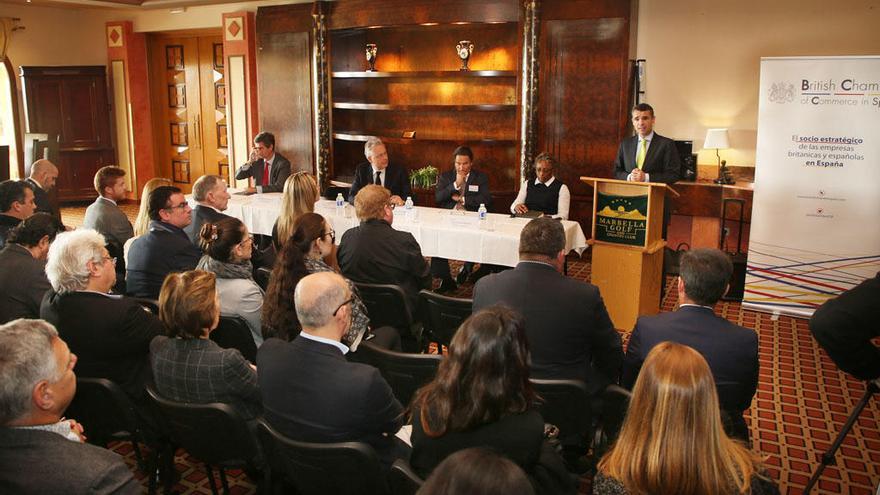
x=464, y=48
x=372, y=50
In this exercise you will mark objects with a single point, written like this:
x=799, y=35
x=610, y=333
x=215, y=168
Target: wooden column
x=529, y=97
x=321, y=93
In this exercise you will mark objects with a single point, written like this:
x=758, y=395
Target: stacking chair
x=214, y=433
x=566, y=404
x=261, y=277
x=347, y=468
x=442, y=315
x=403, y=480
x=615, y=402
x=234, y=333
x=404, y=372
x=388, y=305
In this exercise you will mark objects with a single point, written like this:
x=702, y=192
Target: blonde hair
x=672, y=440
x=142, y=222
x=187, y=303
x=370, y=202
x=300, y=194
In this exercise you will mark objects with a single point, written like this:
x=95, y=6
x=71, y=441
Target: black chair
x=442, y=315
x=615, y=402
x=347, y=468
x=404, y=372
x=151, y=305
x=234, y=333
x=403, y=480
x=387, y=305
x=566, y=405
x=261, y=277
x=214, y=433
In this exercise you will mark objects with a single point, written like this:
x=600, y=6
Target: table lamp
x=717, y=139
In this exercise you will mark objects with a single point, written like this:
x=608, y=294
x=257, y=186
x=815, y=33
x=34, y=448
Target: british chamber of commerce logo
x=621, y=219
x=781, y=92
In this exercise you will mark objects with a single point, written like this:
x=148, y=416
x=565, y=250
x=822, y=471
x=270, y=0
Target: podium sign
x=621, y=219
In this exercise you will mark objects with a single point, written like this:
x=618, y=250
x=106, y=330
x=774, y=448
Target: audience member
x=545, y=194
x=16, y=204
x=105, y=216
x=376, y=170
x=311, y=392
x=212, y=198
x=672, y=440
x=730, y=350
x=570, y=333
x=142, y=222
x=482, y=397
x=110, y=334
x=22, y=267
x=228, y=248
x=42, y=180
x=477, y=470
x=647, y=156
x=187, y=365
x=268, y=169
x=300, y=195
x=165, y=248
x=375, y=253
x=40, y=451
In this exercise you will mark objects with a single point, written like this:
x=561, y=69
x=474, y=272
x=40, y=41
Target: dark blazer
x=279, y=173
x=24, y=283
x=200, y=216
x=396, y=181
x=662, y=162
x=38, y=461
x=42, y=200
x=570, y=333
x=7, y=223
x=375, y=253
x=109, y=334
x=312, y=393
x=162, y=250
x=472, y=199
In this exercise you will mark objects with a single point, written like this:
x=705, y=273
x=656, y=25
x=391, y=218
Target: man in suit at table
x=268, y=169
x=42, y=179
x=647, y=156
x=105, y=216
x=730, y=350
x=461, y=188
x=378, y=171
x=212, y=198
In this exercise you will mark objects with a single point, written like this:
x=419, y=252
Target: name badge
x=474, y=188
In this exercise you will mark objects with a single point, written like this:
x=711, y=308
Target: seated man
x=40, y=450
x=378, y=171
x=111, y=334
x=730, y=350
x=165, y=248
x=42, y=179
x=268, y=169
x=22, y=267
x=105, y=216
x=545, y=194
x=16, y=204
x=375, y=253
x=310, y=391
x=212, y=199
x=570, y=333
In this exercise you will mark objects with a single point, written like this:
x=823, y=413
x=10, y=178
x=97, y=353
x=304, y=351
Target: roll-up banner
x=815, y=228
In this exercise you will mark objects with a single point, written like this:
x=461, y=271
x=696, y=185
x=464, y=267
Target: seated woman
x=305, y=253
x=228, y=248
x=477, y=470
x=299, y=197
x=187, y=365
x=672, y=440
x=482, y=397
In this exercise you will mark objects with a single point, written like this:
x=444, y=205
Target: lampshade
x=716, y=139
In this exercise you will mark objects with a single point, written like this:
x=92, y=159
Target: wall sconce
x=717, y=139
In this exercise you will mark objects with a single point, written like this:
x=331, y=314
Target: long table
x=439, y=232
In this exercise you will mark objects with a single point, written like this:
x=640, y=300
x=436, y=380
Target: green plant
x=425, y=177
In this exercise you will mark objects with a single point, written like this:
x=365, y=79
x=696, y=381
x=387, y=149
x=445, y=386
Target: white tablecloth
x=439, y=232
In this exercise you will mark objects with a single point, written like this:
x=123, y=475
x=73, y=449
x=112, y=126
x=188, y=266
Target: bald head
x=45, y=173
x=318, y=298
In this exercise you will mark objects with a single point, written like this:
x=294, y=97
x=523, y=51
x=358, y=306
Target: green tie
x=640, y=156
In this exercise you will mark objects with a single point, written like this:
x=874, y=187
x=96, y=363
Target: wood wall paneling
x=362, y=13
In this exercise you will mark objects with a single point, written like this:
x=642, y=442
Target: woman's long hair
x=142, y=222
x=279, y=314
x=484, y=378
x=300, y=194
x=672, y=440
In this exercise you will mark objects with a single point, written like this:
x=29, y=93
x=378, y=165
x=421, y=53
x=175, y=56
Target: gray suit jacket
x=105, y=217
x=24, y=281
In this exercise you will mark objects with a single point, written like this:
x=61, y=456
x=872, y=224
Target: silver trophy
x=464, y=48
x=372, y=50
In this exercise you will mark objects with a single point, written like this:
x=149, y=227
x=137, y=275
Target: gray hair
x=317, y=296
x=69, y=255
x=706, y=273
x=204, y=185
x=371, y=143
x=542, y=236
x=26, y=358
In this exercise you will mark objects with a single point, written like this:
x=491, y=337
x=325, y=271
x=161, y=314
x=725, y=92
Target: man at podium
x=647, y=156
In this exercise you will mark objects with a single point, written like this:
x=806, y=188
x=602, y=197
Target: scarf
x=242, y=269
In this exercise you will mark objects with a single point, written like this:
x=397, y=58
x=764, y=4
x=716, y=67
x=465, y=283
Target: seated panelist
x=378, y=171
x=545, y=194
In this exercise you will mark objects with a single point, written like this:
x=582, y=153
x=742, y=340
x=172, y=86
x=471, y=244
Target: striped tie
x=640, y=156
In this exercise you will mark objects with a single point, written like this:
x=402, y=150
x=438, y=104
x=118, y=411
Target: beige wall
x=703, y=58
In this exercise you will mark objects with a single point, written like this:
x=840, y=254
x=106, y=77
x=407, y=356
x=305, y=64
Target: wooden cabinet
x=70, y=104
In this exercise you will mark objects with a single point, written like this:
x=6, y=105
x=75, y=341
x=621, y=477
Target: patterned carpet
x=802, y=403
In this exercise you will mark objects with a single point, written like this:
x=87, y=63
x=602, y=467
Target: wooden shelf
x=351, y=105
x=396, y=139
x=438, y=74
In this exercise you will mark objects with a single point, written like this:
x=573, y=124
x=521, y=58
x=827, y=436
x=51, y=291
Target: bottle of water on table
x=408, y=207
x=340, y=204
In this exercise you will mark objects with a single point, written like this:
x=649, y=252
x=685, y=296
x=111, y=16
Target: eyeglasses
x=332, y=235
x=249, y=237
x=348, y=301
x=109, y=258
x=181, y=206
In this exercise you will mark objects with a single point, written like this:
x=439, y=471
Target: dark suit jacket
x=570, y=333
x=109, y=334
x=162, y=250
x=396, y=181
x=24, y=283
x=38, y=461
x=42, y=200
x=200, y=216
x=375, y=253
x=279, y=173
x=472, y=199
x=312, y=393
x=7, y=223
x=662, y=162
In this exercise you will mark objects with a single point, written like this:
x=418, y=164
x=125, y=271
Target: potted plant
x=423, y=181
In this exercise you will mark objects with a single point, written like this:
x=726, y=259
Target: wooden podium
x=627, y=246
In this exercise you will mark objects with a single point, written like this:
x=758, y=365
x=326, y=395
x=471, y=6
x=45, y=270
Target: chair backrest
x=615, y=402
x=403, y=480
x=215, y=433
x=442, y=315
x=321, y=468
x=566, y=404
x=387, y=305
x=234, y=333
x=261, y=277
x=104, y=410
x=404, y=372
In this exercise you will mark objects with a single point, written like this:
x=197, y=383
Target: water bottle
x=409, y=203
x=340, y=204
x=482, y=212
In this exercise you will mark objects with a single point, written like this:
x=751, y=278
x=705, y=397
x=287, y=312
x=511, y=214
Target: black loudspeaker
x=688, y=160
